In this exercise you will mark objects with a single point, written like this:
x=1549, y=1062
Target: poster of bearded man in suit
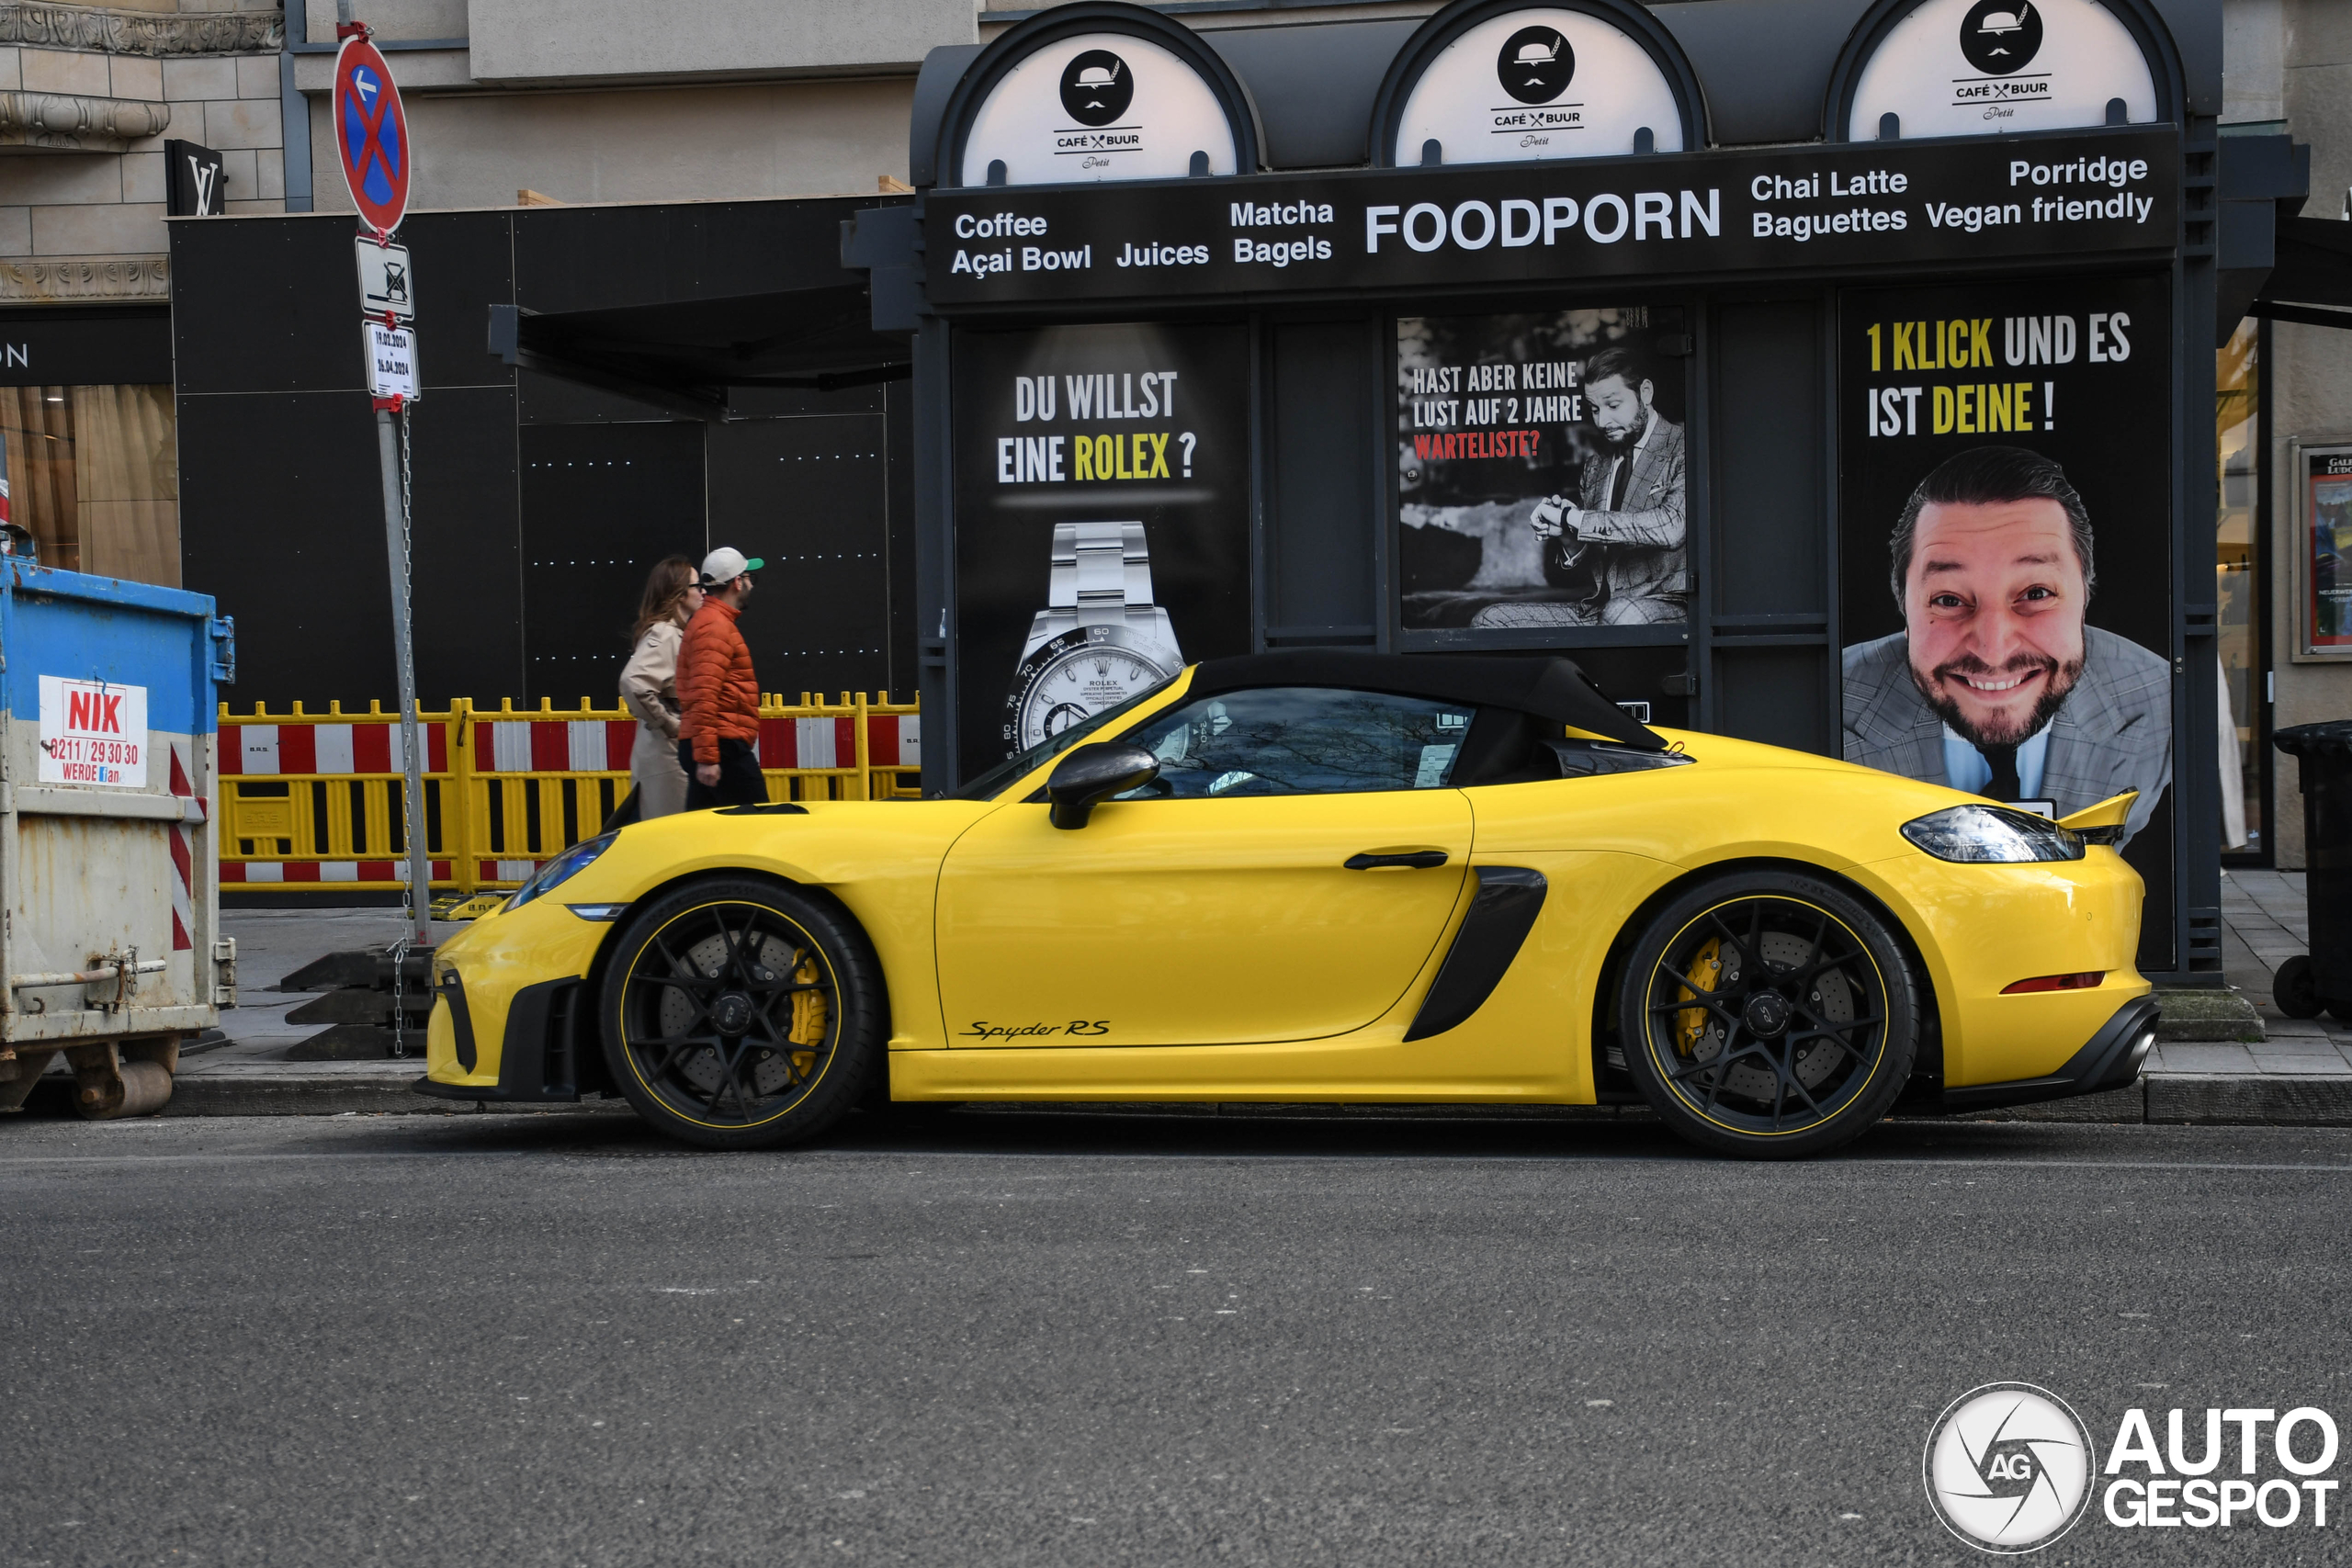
x=2005, y=498
x=1541, y=466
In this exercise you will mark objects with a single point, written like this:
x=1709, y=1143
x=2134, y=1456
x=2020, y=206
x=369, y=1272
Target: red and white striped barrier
x=368, y=747
x=553, y=746
x=361, y=749
x=892, y=740
x=265, y=873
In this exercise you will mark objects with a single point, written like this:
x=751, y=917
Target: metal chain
x=419, y=900
x=408, y=576
x=400, y=1002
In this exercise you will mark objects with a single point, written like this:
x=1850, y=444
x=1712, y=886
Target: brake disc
x=1699, y=1034
x=705, y=1068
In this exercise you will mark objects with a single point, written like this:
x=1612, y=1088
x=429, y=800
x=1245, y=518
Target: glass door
x=2238, y=416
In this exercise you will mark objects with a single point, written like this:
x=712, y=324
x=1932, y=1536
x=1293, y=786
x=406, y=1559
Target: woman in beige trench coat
x=650, y=685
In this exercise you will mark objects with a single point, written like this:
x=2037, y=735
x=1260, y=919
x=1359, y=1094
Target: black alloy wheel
x=1769, y=1015
x=740, y=1014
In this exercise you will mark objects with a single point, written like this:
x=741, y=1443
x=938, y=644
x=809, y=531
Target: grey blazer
x=1647, y=555
x=2113, y=733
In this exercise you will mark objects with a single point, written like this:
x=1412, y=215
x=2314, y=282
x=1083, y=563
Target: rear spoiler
x=2103, y=823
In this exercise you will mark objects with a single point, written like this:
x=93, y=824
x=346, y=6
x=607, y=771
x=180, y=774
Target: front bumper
x=549, y=1053
x=2111, y=1060
x=514, y=1017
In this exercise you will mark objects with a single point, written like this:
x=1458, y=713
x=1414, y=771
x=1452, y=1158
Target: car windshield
x=991, y=783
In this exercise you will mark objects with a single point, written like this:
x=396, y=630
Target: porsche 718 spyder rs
x=1326, y=877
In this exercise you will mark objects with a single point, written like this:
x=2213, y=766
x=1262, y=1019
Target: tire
x=1797, y=1075
x=2293, y=991
x=704, y=1031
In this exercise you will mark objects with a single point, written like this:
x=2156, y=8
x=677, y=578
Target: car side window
x=1300, y=740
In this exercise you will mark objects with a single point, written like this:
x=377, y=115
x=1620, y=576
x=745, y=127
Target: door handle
x=1414, y=860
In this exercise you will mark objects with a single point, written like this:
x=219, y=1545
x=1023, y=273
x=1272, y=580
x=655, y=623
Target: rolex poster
x=2005, y=594
x=1539, y=473
x=1101, y=520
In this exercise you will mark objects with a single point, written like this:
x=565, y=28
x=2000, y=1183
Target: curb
x=2167, y=1099
x=2202, y=1100
x=290, y=1094
x=2215, y=1099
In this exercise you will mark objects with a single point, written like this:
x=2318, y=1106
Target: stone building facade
x=93, y=101
x=88, y=96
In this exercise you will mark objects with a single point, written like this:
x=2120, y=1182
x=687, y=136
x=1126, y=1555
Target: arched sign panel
x=1546, y=82
x=1986, y=67
x=1100, y=105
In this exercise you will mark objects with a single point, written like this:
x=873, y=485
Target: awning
x=2311, y=278
x=2273, y=262
x=686, y=355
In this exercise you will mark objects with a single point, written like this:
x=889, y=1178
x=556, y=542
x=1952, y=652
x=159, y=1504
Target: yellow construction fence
x=312, y=801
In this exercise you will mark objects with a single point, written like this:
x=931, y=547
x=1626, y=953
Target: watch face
x=1075, y=676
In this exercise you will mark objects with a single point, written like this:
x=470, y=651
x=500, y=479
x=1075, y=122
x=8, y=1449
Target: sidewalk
x=2263, y=925
x=249, y=1076
x=2300, y=1073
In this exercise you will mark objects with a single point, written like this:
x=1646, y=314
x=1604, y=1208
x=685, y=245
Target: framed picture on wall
x=1540, y=478
x=2322, y=540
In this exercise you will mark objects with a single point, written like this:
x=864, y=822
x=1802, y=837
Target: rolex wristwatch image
x=1099, y=640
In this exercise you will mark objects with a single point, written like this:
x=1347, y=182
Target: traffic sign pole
x=371, y=136
x=388, y=443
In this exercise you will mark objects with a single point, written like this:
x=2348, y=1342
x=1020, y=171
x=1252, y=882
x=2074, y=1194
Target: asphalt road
x=999, y=1338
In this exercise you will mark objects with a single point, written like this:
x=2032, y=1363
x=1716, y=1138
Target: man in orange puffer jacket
x=719, y=731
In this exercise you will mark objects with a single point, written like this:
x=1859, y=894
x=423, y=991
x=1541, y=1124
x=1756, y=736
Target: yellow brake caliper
x=808, y=1014
x=1706, y=973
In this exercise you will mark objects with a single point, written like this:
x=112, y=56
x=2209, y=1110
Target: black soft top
x=1545, y=686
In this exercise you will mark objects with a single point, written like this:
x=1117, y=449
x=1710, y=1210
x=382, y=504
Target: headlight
x=1991, y=834
x=561, y=869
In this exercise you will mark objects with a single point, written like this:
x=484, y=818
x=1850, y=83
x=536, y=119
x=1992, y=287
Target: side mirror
x=1092, y=775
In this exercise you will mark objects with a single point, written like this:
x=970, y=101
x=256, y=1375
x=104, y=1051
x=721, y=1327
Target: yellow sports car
x=1333, y=878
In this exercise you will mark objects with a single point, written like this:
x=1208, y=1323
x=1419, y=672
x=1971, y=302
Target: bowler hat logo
x=2001, y=36
x=1097, y=86
x=1535, y=64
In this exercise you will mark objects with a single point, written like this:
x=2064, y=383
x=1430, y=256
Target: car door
x=1285, y=878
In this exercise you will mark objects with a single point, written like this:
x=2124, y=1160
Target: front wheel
x=1769, y=1015
x=739, y=1014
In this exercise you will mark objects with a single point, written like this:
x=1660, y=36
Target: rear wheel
x=1769, y=1015
x=737, y=1014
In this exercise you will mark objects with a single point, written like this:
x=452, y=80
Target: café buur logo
x=1097, y=87
x=1536, y=65
x=2000, y=38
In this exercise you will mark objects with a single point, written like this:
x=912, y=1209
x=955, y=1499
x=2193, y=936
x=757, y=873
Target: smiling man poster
x=2004, y=602
x=1996, y=685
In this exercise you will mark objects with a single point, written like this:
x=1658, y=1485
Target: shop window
x=93, y=476
x=2237, y=414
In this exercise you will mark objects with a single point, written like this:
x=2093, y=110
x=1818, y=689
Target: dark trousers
x=740, y=782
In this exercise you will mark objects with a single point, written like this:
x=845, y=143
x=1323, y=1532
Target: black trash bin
x=2305, y=986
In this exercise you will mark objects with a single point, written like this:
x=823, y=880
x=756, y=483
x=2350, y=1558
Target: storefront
x=88, y=443
x=1853, y=394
